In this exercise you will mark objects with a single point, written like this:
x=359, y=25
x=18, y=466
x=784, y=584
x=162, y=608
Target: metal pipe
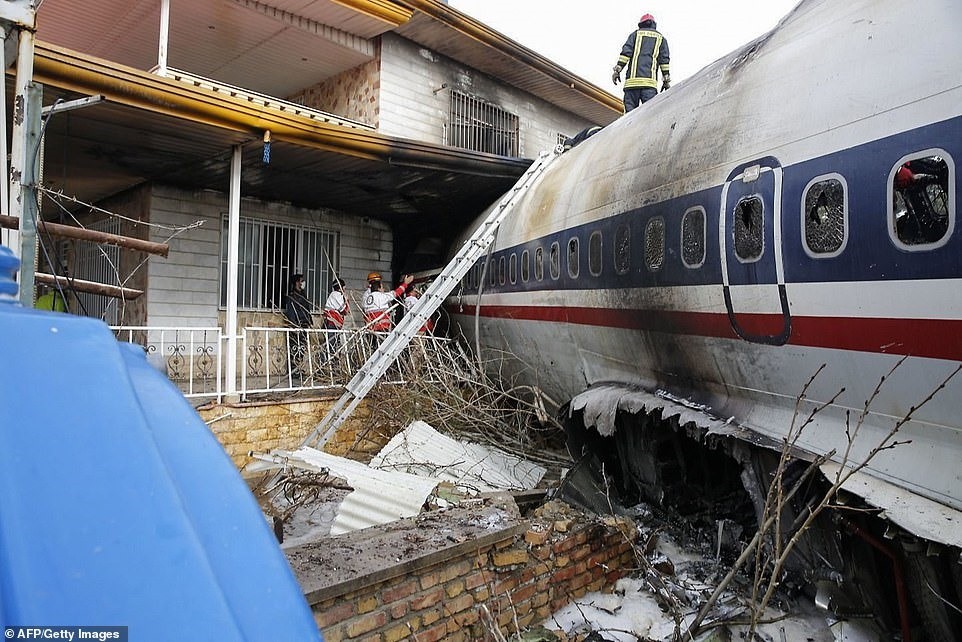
x=18, y=149
x=90, y=287
x=900, y=591
x=233, y=236
x=73, y=232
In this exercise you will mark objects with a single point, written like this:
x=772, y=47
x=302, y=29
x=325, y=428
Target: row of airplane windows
x=921, y=215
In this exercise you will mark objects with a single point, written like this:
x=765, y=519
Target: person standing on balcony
x=377, y=302
x=414, y=295
x=335, y=309
x=297, y=312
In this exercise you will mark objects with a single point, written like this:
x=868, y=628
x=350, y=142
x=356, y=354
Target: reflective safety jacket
x=377, y=308
x=642, y=51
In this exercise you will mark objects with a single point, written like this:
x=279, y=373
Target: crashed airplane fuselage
x=791, y=206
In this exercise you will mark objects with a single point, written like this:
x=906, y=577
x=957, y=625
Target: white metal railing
x=190, y=357
x=275, y=360
x=289, y=359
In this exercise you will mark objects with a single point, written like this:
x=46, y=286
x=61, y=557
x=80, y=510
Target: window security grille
x=481, y=126
x=100, y=264
x=269, y=254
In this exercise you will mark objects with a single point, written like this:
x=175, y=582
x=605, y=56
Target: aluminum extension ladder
x=394, y=344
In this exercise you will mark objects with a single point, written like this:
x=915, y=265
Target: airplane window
x=693, y=237
x=655, y=243
x=749, y=228
x=922, y=204
x=501, y=271
x=622, y=249
x=513, y=268
x=594, y=253
x=539, y=264
x=825, y=216
x=491, y=275
x=554, y=260
x=525, y=269
x=573, y=257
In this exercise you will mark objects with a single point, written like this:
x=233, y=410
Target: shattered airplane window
x=622, y=249
x=594, y=253
x=513, y=268
x=825, y=216
x=693, y=237
x=749, y=228
x=539, y=264
x=573, y=257
x=554, y=260
x=501, y=271
x=655, y=243
x=525, y=267
x=922, y=200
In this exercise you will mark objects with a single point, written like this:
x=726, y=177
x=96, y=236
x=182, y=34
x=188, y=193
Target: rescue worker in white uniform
x=377, y=303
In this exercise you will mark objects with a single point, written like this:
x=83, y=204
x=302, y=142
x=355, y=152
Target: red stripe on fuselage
x=935, y=338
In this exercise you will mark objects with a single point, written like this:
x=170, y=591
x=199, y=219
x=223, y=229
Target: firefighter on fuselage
x=645, y=52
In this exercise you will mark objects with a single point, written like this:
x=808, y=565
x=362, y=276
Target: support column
x=164, y=37
x=29, y=195
x=233, y=240
x=18, y=147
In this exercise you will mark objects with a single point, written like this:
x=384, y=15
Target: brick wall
x=513, y=581
x=265, y=426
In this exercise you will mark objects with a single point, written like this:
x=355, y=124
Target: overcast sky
x=586, y=37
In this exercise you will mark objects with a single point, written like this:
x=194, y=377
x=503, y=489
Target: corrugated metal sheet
x=379, y=497
x=419, y=449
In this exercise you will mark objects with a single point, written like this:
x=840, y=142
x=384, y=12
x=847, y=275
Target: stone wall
x=265, y=426
x=510, y=579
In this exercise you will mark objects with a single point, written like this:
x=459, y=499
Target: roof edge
x=386, y=10
x=132, y=87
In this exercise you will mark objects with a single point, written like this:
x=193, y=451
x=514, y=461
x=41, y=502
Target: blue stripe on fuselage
x=869, y=255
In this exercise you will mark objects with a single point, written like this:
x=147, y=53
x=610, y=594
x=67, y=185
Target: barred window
x=481, y=126
x=269, y=254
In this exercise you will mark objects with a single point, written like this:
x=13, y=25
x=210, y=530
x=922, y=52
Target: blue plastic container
x=117, y=505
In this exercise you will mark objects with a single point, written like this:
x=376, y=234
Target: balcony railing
x=190, y=357
x=275, y=360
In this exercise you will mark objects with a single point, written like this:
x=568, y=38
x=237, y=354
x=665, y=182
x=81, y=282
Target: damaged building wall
x=265, y=426
x=515, y=578
x=415, y=99
x=352, y=94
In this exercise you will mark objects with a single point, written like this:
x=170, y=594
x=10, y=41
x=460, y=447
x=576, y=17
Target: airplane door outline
x=751, y=283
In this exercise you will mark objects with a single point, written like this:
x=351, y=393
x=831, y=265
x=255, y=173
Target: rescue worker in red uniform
x=336, y=307
x=645, y=53
x=377, y=303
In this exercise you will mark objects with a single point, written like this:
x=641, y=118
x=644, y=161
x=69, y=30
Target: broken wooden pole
x=90, y=287
x=74, y=232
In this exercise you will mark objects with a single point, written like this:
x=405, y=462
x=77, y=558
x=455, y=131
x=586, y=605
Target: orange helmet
x=374, y=276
